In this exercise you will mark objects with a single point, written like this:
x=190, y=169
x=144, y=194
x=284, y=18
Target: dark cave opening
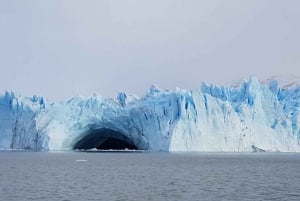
x=115, y=144
x=104, y=139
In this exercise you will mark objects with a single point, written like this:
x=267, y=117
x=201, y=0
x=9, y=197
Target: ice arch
x=104, y=139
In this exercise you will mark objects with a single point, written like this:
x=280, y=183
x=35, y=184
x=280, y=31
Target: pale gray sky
x=59, y=49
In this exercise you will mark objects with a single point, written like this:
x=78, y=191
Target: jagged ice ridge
x=253, y=116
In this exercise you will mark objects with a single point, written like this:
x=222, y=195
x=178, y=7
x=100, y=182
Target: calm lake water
x=148, y=176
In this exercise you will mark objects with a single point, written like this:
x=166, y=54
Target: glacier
x=250, y=116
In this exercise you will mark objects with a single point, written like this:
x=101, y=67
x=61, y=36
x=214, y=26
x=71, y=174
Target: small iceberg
x=81, y=160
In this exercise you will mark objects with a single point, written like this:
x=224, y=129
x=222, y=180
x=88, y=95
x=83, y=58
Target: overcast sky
x=60, y=49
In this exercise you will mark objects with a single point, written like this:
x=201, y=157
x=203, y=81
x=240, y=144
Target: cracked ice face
x=104, y=139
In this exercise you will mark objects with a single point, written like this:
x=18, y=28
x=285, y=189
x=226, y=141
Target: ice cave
x=104, y=139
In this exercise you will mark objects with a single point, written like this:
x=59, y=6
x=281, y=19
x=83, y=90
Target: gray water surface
x=148, y=176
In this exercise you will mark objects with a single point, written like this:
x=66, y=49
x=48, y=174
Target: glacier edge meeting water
x=252, y=116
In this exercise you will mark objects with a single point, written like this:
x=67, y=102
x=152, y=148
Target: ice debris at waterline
x=252, y=116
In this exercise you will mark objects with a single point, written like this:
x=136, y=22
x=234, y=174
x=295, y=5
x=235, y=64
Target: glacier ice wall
x=19, y=128
x=252, y=116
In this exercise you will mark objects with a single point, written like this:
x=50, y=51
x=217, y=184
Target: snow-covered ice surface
x=250, y=116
